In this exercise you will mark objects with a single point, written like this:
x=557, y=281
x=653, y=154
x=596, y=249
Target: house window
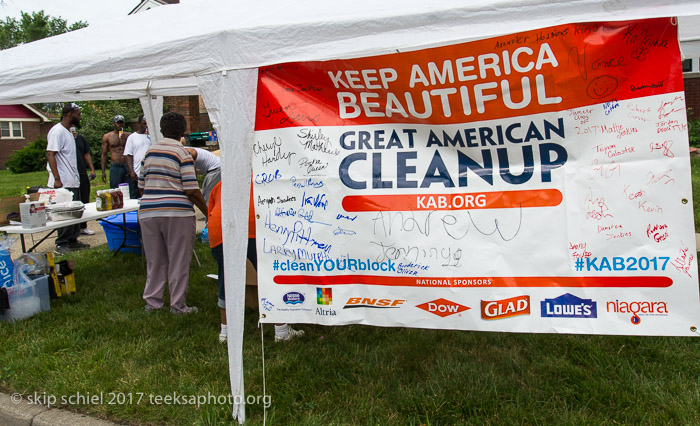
x=11, y=129
x=687, y=65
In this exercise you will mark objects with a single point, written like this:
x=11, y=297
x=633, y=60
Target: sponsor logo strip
x=473, y=201
x=630, y=282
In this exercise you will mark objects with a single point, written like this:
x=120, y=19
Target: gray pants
x=168, y=243
x=69, y=234
x=210, y=180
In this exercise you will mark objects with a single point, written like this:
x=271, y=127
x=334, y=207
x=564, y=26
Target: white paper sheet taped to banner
x=536, y=182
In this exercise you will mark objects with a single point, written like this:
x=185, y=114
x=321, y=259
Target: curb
x=23, y=413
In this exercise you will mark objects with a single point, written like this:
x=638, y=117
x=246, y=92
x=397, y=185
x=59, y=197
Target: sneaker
x=188, y=310
x=291, y=333
x=149, y=309
x=87, y=231
x=77, y=245
x=62, y=250
x=223, y=337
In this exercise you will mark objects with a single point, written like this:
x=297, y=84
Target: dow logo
x=442, y=307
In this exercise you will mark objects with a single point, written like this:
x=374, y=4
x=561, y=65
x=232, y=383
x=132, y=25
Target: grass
x=13, y=185
x=102, y=341
x=695, y=179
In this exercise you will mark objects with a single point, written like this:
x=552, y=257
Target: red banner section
x=471, y=201
x=550, y=69
x=629, y=282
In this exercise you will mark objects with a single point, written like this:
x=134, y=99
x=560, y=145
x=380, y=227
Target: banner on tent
x=535, y=182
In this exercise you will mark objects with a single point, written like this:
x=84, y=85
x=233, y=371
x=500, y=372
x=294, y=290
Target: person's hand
x=133, y=176
x=92, y=176
x=104, y=176
x=57, y=184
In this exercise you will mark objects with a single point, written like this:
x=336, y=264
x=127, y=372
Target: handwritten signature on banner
x=579, y=250
x=595, y=207
x=451, y=256
x=684, y=261
x=386, y=223
x=669, y=107
x=271, y=152
x=657, y=232
x=605, y=170
x=664, y=147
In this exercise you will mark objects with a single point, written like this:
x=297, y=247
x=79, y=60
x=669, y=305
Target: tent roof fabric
x=160, y=50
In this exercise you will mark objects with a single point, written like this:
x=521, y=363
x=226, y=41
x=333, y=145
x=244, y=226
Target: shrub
x=32, y=158
x=694, y=132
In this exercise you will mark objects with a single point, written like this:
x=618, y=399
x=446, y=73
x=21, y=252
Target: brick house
x=20, y=125
x=691, y=81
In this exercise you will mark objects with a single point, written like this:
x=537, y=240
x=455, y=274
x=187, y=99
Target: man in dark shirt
x=84, y=159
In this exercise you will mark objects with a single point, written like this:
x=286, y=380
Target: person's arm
x=51, y=158
x=196, y=197
x=88, y=161
x=105, y=148
x=130, y=166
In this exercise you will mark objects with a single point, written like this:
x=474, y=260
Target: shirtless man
x=114, y=142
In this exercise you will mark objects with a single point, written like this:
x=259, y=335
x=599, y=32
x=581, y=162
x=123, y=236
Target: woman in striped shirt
x=169, y=189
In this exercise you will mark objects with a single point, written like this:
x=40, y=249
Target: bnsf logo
x=442, y=307
x=363, y=302
x=506, y=308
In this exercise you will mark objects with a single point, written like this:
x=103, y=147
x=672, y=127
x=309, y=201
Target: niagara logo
x=642, y=308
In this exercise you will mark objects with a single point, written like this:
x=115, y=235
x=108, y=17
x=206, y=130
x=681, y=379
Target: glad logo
x=442, y=307
x=506, y=308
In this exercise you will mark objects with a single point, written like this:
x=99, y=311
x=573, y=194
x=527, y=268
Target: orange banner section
x=629, y=282
x=466, y=201
x=550, y=69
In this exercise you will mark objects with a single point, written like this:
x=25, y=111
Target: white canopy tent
x=213, y=48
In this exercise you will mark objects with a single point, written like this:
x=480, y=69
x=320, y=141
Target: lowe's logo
x=293, y=298
x=569, y=306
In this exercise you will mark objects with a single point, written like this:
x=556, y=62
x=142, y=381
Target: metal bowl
x=55, y=216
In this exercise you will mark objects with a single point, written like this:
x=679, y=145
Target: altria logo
x=363, y=302
x=634, y=308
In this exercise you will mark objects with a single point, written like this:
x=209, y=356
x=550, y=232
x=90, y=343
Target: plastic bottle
x=101, y=201
x=124, y=188
x=121, y=198
x=108, y=196
x=204, y=236
x=116, y=202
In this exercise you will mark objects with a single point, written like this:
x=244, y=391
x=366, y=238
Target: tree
x=32, y=27
x=97, y=119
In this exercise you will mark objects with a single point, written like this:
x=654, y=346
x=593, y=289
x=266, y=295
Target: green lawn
x=695, y=178
x=102, y=341
x=12, y=185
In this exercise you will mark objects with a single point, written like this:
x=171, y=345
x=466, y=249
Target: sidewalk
x=14, y=412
